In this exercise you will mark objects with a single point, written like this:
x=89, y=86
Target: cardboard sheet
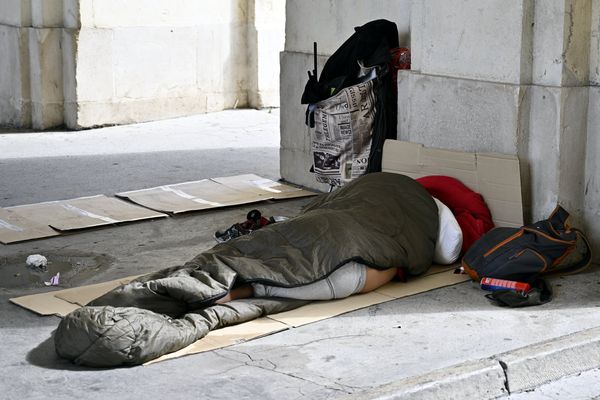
x=45, y=304
x=17, y=228
x=83, y=295
x=34, y=221
x=422, y=284
x=190, y=196
x=62, y=302
x=262, y=186
x=495, y=176
x=320, y=310
x=213, y=193
x=437, y=276
x=228, y=336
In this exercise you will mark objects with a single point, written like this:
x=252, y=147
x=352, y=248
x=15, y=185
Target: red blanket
x=469, y=208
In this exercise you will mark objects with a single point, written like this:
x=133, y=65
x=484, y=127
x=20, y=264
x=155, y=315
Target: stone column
x=46, y=63
x=513, y=77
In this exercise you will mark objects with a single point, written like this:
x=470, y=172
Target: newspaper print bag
x=341, y=140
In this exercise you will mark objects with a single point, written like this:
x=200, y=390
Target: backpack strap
x=579, y=266
x=559, y=220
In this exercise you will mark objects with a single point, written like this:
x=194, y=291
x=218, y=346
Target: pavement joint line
x=500, y=375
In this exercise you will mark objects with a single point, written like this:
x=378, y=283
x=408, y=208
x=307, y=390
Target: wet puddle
x=72, y=267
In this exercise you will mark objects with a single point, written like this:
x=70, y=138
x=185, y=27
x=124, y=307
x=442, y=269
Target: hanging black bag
x=352, y=105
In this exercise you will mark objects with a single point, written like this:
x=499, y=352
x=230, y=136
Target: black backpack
x=524, y=254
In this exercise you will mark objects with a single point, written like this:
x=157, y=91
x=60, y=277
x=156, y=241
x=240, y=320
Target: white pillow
x=450, y=237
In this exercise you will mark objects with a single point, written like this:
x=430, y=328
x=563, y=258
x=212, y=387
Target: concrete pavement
x=446, y=343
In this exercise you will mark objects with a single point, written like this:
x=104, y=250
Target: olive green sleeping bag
x=383, y=220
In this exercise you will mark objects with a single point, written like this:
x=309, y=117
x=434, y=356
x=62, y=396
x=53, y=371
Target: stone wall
x=512, y=76
x=86, y=63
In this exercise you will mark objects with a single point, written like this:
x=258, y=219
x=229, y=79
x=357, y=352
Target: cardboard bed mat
x=64, y=301
x=213, y=193
x=40, y=220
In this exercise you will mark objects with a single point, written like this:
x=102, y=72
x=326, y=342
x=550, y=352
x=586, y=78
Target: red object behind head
x=468, y=207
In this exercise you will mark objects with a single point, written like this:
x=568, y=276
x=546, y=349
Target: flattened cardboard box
x=17, y=228
x=42, y=220
x=62, y=302
x=213, y=193
x=34, y=221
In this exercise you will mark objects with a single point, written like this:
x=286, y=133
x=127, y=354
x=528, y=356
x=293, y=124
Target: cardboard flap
x=422, y=284
x=84, y=294
x=228, y=336
x=190, y=196
x=213, y=193
x=62, y=302
x=320, y=310
x=45, y=304
x=250, y=183
x=17, y=228
x=495, y=176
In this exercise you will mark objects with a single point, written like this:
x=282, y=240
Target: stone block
x=221, y=65
x=294, y=166
x=458, y=114
x=266, y=39
x=331, y=22
x=561, y=51
x=548, y=43
x=471, y=40
x=154, y=62
x=576, y=49
x=294, y=133
x=573, y=135
x=160, y=13
x=595, y=44
x=71, y=16
x=270, y=43
x=46, y=77
x=591, y=214
x=295, y=156
x=94, y=75
x=47, y=13
x=69, y=47
x=15, y=100
x=556, y=150
x=16, y=13
x=127, y=111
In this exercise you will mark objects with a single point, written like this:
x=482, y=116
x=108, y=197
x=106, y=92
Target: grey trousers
x=345, y=281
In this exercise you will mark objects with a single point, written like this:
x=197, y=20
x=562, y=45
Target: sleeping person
x=352, y=240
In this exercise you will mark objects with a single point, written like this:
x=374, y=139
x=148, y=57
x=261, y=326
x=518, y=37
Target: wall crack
x=505, y=370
